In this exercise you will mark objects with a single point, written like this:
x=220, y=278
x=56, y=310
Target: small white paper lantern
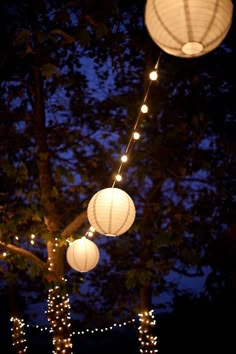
x=82, y=255
x=111, y=212
x=188, y=28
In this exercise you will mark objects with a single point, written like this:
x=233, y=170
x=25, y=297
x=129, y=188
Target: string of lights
x=18, y=334
x=59, y=317
x=134, y=136
x=147, y=339
x=112, y=326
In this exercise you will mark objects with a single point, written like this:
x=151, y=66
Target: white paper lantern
x=111, y=212
x=82, y=255
x=188, y=28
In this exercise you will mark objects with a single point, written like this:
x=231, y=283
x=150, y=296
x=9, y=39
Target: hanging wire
x=134, y=134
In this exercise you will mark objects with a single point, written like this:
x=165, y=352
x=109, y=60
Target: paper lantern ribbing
x=188, y=28
x=111, y=212
x=82, y=255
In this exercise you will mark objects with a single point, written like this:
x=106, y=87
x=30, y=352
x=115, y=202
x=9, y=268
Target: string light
x=18, y=335
x=147, y=322
x=118, y=177
x=147, y=340
x=135, y=135
x=124, y=158
x=88, y=330
x=32, y=239
x=144, y=108
x=153, y=75
x=59, y=317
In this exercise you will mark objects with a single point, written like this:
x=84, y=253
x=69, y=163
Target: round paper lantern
x=82, y=255
x=111, y=212
x=188, y=28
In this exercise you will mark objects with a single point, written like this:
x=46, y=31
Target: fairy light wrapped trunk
x=18, y=335
x=59, y=317
x=147, y=338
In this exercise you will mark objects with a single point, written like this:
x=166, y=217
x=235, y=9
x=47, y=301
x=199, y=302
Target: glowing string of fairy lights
x=147, y=322
x=59, y=316
x=88, y=330
x=134, y=136
x=18, y=334
x=115, y=325
x=147, y=339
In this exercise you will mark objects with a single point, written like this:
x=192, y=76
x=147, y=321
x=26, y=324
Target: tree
x=41, y=72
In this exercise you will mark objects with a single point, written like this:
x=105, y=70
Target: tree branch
x=28, y=254
x=75, y=224
x=14, y=116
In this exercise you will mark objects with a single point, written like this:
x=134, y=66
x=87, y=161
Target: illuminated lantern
x=82, y=255
x=111, y=212
x=188, y=28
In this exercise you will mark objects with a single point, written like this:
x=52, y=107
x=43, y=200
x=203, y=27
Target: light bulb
x=124, y=158
x=153, y=75
x=144, y=108
x=118, y=178
x=136, y=135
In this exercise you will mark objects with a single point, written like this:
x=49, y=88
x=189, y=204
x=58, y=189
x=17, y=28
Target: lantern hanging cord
x=134, y=134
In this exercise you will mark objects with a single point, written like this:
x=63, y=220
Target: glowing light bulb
x=136, y=135
x=153, y=75
x=118, y=178
x=124, y=158
x=144, y=108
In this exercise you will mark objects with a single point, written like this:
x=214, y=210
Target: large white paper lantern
x=188, y=28
x=82, y=255
x=111, y=212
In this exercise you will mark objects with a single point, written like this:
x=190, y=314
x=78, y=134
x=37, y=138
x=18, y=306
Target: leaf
x=131, y=280
x=101, y=30
x=54, y=192
x=48, y=70
x=58, y=33
x=36, y=217
x=41, y=37
x=83, y=37
x=22, y=37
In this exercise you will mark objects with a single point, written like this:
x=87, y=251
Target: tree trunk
x=58, y=306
